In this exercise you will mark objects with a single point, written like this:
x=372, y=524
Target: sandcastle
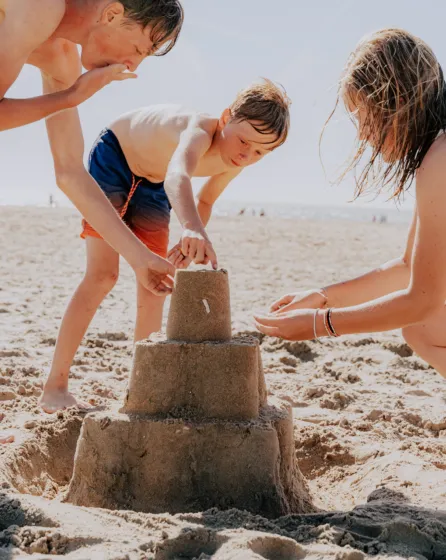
x=195, y=430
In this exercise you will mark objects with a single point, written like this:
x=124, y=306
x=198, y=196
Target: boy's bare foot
x=53, y=400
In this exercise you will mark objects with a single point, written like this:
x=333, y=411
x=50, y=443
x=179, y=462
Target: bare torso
x=149, y=136
x=26, y=33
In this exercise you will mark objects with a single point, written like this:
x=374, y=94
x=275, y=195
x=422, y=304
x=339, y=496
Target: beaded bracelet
x=327, y=328
x=330, y=323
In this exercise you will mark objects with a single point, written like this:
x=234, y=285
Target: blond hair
x=267, y=108
x=398, y=80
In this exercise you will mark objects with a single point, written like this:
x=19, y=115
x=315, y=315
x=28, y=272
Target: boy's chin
x=91, y=64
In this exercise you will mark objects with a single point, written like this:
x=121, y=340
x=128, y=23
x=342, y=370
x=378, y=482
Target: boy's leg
x=428, y=340
x=100, y=277
x=149, y=215
x=149, y=314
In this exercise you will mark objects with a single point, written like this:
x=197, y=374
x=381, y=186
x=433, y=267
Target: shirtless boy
x=144, y=163
x=114, y=36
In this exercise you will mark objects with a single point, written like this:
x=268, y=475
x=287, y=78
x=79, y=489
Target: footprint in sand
x=5, y=437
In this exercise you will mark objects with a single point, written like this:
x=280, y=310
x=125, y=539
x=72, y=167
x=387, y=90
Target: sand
x=369, y=417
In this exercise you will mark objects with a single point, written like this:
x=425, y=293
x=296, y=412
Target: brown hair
x=267, y=108
x=165, y=16
x=400, y=83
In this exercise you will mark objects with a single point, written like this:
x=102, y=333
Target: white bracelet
x=316, y=311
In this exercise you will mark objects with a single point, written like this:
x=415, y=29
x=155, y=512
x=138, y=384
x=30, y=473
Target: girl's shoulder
x=436, y=155
x=431, y=175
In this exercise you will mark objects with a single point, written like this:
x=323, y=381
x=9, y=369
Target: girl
x=394, y=88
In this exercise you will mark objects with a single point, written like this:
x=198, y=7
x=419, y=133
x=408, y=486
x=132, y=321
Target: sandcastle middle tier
x=221, y=380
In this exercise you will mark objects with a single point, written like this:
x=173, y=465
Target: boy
x=114, y=36
x=144, y=164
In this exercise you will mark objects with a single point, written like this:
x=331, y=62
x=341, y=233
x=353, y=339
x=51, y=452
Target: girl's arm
x=426, y=292
x=390, y=277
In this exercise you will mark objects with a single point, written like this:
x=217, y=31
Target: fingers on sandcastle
x=195, y=430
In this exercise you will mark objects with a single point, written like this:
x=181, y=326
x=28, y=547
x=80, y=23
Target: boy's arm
x=67, y=146
x=194, y=143
x=211, y=191
x=206, y=198
x=23, y=29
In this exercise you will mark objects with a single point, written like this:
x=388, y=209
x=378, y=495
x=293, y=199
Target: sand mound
x=44, y=462
x=382, y=529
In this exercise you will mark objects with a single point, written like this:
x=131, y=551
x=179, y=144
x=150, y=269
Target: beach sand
x=369, y=417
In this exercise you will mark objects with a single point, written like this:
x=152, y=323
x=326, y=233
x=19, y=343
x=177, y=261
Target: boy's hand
x=156, y=275
x=198, y=248
x=91, y=82
x=311, y=299
x=176, y=257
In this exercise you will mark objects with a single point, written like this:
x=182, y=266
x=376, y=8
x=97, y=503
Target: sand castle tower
x=195, y=431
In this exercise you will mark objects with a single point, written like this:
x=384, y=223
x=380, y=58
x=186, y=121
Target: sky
x=224, y=46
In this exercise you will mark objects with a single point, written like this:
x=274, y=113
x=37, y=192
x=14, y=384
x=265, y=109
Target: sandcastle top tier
x=200, y=306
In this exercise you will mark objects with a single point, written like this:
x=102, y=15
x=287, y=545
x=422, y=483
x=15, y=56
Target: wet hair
x=164, y=16
x=397, y=80
x=267, y=108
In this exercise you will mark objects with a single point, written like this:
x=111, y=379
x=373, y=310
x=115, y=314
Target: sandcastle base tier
x=206, y=379
x=174, y=466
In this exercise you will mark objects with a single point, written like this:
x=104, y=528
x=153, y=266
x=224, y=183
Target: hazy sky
x=225, y=45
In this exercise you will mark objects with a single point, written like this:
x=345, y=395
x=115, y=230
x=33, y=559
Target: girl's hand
x=294, y=325
x=311, y=299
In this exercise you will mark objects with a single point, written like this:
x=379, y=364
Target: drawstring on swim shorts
x=131, y=193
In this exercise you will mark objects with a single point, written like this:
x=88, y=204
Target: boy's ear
x=113, y=13
x=225, y=118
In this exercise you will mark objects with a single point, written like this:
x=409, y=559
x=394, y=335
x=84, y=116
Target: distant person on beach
x=394, y=89
x=114, y=36
x=144, y=163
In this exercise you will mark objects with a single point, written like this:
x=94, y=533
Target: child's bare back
x=150, y=135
